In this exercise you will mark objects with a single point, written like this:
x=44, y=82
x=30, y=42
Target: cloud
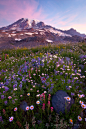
x=15, y=9
x=69, y=19
x=62, y=19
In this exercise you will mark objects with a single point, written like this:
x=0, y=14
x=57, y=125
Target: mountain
x=23, y=24
x=73, y=32
x=27, y=24
x=26, y=32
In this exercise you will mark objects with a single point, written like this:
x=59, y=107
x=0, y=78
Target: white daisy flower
x=31, y=107
x=11, y=118
x=15, y=109
x=71, y=121
x=67, y=98
x=38, y=102
x=81, y=102
x=79, y=118
x=37, y=90
x=45, y=91
x=28, y=94
x=38, y=95
x=80, y=96
x=83, y=106
x=15, y=89
x=27, y=108
x=9, y=97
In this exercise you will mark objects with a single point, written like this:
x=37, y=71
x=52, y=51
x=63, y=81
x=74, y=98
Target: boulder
x=59, y=103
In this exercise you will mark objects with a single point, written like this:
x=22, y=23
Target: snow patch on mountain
x=13, y=34
x=36, y=32
x=58, y=32
x=18, y=39
x=40, y=30
x=13, y=28
x=29, y=33
x=42, y=33
x=49, y=40
x=9, y=35
x=15, y=25
x=30, y=21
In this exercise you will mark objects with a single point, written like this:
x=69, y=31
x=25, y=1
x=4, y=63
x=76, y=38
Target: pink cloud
x=15, y=9
x=69, y=19
x=58, y=20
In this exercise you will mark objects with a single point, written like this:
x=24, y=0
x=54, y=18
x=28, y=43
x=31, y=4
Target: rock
x=58, y=102
x=23, y=105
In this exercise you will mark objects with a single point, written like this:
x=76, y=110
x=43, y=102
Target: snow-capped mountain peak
x=34, y=25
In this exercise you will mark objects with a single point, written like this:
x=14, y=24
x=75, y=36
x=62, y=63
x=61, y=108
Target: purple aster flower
x=3, y=92
x=52, y=84
x=63, y=66
x=13, y=101
x=43, y=81
x=0, y=85
x=67, y=87
x=80, y=91
x=72, y=94
x=1, y=118
x=69, y=80
x=81, y=82
x=6, y=88
x=13, y=86
x=5, y=102
x=7, y=82
x=51, y=88
x=81, y=56
x=45, y=84
x=48, y=83
x=75, y=71
x=77, y=87
x=55, y=72
x=70, y=76
x=2, y=96
x=71, y=63
x=39, y=121
x=61, y=73
x=72, y=80
x=51, y=80
x=20, y=86
x=77, y=81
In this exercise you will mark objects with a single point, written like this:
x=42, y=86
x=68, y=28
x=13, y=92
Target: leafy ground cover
x=34, y=75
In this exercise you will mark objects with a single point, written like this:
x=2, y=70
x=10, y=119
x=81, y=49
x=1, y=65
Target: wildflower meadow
x=34, y=75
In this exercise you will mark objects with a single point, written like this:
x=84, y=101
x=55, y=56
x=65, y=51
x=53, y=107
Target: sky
x=61, y=14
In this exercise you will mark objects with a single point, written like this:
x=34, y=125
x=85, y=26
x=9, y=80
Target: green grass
x=44, y=62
